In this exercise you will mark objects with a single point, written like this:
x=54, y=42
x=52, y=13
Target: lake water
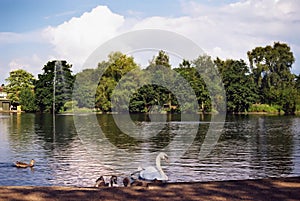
x=82, y=148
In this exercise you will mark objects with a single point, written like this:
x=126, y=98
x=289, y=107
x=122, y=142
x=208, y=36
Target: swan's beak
x=166, y=159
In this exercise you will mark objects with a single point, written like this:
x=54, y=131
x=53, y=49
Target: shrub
x=263, y=108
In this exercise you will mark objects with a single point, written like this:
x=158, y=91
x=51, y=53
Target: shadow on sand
x=261, y=189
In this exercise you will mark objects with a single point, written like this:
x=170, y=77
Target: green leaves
x=117, y=66
x=58, y=74
x=239, y=85
x=18, y=80
x=271, y=67
x=266, y=81
x=27, y=100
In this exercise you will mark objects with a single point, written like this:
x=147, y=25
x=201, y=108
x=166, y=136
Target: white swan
x=155, y=173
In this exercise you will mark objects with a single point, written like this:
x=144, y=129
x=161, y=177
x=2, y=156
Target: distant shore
x=259, y=189
x=10, y=111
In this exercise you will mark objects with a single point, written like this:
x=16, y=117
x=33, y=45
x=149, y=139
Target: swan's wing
x=150, y=173
x=150, y=169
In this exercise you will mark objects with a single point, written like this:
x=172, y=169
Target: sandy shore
x=262, y=189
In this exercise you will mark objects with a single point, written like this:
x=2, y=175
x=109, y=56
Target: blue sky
x=26, y=15
x=33, y=32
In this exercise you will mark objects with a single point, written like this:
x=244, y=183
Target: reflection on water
x=250, y=146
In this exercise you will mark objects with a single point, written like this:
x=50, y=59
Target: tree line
x=266, y=83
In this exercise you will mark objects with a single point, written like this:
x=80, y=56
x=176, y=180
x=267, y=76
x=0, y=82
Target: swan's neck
x=158, y=163
x=158, y=166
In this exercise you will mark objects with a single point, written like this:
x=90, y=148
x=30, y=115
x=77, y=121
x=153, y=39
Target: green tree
x=57, y=76
x=143, y=99
x=208, y=71
x=103, y=93
x=271, y=68
x=117, y=66
x=85, y=88
x=27, y=100
x=162, y=59
x=126, y=89
x=17, y=81
x=195, y=80
x=239, y=85
x=152, y=97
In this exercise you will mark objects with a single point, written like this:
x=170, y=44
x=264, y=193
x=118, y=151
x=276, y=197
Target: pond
x=75, y=150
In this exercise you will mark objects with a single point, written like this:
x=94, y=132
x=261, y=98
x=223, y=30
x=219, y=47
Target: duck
x=100, y=182
x=113, y=181
x=24, y=165
x=151, y=173
x=127, y=182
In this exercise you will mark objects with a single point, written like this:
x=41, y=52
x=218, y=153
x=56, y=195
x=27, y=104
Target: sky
x=33, y=32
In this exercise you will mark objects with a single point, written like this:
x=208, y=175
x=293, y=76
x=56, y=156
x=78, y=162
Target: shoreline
x=255, y=189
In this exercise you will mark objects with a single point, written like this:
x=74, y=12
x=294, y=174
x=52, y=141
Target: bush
x=263, y=108
x=69, y=106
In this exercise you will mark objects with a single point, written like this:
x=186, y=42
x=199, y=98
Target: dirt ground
x=262, y=189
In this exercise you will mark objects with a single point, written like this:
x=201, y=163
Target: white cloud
x=229, y=31
x=215, y=37
x=32, y=64
x=134, y=13
x=16, y=64
x=75, y=40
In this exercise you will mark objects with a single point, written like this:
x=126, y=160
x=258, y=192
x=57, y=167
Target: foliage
x=17, y=81
x=267, y=85
x=70, y=106
x=153, y=96
x=58, y=75
x=214, y=96
x=117, y=66
x=263, y=108
x=239, y=85
x=85, y=87
x=197, y=83
x=125, y=89
x=27, y=100
x=162, y=59
x=271, y=68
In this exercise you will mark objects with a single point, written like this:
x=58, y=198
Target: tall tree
x=57, y=76
x=208, y=71
x=17, y=81
x=271, y=67
x=151, y=95
x=195, y=80
x=116, y=67
x=239, y=85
